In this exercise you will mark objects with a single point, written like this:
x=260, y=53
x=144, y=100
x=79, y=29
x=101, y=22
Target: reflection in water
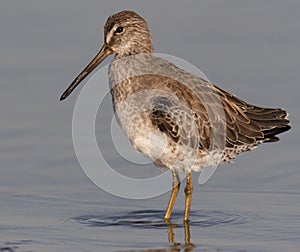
x=154, y=219
x=188, y=246
x=6, y=249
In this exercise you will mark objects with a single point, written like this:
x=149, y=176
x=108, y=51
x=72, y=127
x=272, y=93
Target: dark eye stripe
x=110, y=27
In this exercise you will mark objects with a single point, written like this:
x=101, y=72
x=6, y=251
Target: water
x=47, y=202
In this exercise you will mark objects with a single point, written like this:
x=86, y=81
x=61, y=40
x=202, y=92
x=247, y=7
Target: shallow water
x=47, y=202
x=248, y=221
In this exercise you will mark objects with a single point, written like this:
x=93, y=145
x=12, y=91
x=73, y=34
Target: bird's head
x=125, y=33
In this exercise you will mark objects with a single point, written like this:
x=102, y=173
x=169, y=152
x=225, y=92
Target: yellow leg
x=176, y=185
x=188, y=190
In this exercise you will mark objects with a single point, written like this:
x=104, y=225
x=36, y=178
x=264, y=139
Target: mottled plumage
x=177, y=119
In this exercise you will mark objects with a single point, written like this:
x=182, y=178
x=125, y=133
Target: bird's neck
x=135, y=49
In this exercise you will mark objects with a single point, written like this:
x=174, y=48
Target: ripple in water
x=154, y=218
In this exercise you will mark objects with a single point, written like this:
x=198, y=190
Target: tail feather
x=270, y=135
x=271, y=121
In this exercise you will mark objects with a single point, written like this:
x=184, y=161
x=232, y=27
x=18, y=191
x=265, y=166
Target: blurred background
x=250, y=48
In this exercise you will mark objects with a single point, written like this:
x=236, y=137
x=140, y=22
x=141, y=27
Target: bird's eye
x=119, y=29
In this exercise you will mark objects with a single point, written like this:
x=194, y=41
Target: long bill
x=104, y=52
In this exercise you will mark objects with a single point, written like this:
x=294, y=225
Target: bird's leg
x=176, y=186
x=188, y=190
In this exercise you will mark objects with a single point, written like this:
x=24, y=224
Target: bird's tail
x=272, y=121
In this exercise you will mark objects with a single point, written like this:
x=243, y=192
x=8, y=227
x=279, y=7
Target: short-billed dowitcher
x=166, y=122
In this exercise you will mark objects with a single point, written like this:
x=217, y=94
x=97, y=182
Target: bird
x=177, y=119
